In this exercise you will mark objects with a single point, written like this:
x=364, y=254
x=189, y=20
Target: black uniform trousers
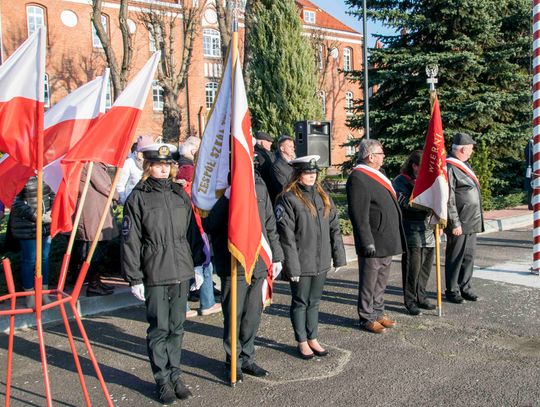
x=248, y=316
x=416, y=264
x=166, y=313
x=373, y=276
x=459, y=262
x=305, y=301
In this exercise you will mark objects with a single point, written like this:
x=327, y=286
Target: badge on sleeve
x=126, y=226
x=279, y=212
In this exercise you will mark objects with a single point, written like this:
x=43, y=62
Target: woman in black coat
x=161, y=244
x=310, y=237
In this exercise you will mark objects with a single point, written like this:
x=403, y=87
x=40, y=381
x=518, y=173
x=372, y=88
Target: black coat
x=375, y=216
x=265, y=159
x=24, y=210
x=309, y=243
x=161, y=242
x=216, y=224
x=280, y=175
x=464, y=202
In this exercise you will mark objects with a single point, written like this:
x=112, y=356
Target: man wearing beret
x=265, y=156
x=465, y=220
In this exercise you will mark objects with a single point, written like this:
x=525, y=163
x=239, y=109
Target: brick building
x=75, y=56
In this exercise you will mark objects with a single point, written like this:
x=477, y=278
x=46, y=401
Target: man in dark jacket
x=378, y=233
x=282, y=171
x=465, y=220
x=265, y=156
x=249, y=297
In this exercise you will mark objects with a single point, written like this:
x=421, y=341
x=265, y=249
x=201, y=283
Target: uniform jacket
x=266, y=159
x=416, y=225
x=96, y=199
x=309, y=243
x=464, y=203
x=217, y=223
x=131, y=175
x=24, y=210
x=161, y=242
x=280, y=175
x=375, y=216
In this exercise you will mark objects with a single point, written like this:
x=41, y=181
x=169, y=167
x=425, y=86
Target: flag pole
x=432, y=80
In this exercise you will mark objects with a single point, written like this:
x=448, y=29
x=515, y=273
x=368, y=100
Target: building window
x=152, y=39
x=157, y=96
x=108, y=95
x=347, y=59
x=309, y=16
x=322, y=97
x=211, y=43
x=35, y=18
x=350, y=149
x=96, y=42
x=46, y=93
x=320, y=57
x=349, y=102
x=210, y=91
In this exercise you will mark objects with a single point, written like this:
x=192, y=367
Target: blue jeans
x=28, y=261
x=206, y=292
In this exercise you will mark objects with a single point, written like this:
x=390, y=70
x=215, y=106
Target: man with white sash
x=378, y=233
x=465, y=220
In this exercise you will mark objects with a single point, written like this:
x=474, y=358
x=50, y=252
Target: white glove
x=227, y=192
x=276, y=269
x=295, y=279
x=199, y=278
x=336, y=269
x=46, y=219
x=138, y=291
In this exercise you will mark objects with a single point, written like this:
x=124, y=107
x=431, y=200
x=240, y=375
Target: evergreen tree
x=282, y=70
x=482, y=48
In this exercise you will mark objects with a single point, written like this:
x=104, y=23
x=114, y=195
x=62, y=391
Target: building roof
x=324, y=19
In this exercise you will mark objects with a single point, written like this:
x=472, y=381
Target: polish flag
x=108, y=141
x=431, y=186
x=64, y=125
x=22, y=88
x=245, y=231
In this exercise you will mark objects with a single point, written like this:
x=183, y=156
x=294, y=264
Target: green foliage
x=483, y=165
x=482, y=49
x=283, y=81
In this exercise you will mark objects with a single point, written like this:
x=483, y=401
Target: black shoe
x=454, y=298
x=413, y=310
x=469, y=296
x=320, y=353
x=426, y=305
x=107, y=287
x=239, y=376
x=166, y=394
x=305, y=356
x=254, y=370
x=96, y=290
x=181, y=390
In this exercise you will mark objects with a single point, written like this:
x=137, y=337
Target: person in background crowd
x=96, y=199
x=2, y=210
x=161, y=245
x=310, y=236
x=282, y=172
x=249, y=296
x=188, y=151
x=23, y=217
x=465, y=220
x=378, y=233
x=265, y=156
x=206, y=289
x=417, y=260
x=132, y=170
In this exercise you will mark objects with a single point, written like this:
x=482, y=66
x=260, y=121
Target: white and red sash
x=461, y=165
x=377, y=176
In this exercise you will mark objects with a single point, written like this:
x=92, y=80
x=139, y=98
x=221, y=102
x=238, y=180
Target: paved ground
x=485, y=353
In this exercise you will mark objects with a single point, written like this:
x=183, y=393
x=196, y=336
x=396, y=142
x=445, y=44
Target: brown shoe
x=374, y=327
x=386, y=322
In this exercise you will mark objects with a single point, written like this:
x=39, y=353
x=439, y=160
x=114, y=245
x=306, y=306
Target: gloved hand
x=336, y=269
x=295, y=279
x=199, y=278
x=227, y=192
x=138, y=291
x=46, y=218
x=276, y=269
x=368, y=251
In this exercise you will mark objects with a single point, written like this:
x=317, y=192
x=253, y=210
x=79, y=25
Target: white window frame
x=350, y=150
x=349, y=102
x=108, y=95
x=96, y=42
x=347, y=59
x=35, y=18
x=210, y=93
x=46, y=92
x=211, y=43
x=322, y=97
x=321, y=57
x=309, y=16
x=157, y=96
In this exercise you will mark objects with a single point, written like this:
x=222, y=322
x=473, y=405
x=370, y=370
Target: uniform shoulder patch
x=279, y=210
x=126, y=226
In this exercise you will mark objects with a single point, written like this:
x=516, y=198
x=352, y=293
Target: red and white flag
x=22, y=88
x=64, y=125
x=245, y=231
x=108, y=141
x=431, y=187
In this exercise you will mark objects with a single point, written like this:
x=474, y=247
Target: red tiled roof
x=324, y=19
